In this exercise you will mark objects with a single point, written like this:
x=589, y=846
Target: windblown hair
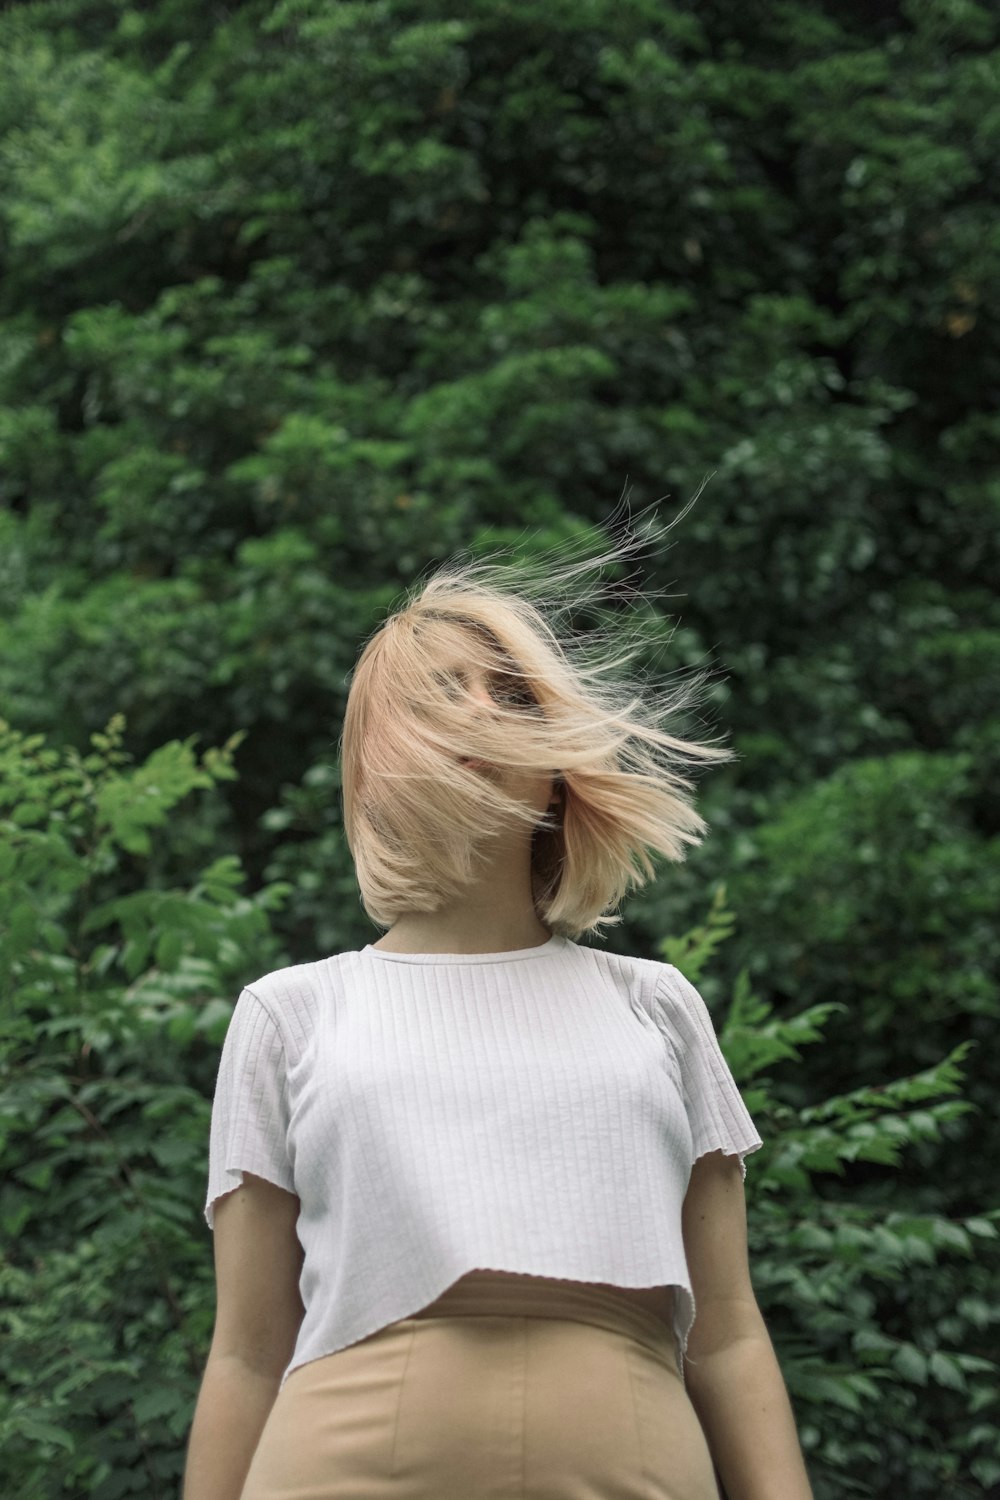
x=417, y=819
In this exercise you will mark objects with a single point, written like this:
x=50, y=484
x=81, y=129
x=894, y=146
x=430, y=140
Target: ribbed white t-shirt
x=536, y=1111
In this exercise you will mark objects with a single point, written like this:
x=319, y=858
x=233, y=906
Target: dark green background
x=299, y=299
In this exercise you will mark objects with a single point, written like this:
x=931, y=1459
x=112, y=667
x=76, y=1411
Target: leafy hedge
x=117, y=1008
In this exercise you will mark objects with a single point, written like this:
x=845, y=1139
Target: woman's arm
x=731, y=1371
x=743, y=1407
x=258, y=1260
x=233, y=1405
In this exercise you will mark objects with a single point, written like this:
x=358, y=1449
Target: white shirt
x=536, y=1111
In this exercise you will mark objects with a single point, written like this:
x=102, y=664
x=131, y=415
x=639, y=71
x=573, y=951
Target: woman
x=469, y=1183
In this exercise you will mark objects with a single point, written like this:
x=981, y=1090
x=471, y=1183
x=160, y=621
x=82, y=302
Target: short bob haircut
x=416, y=818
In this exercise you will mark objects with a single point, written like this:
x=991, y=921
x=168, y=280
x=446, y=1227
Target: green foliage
x=833, y=1275
x=298, y=298
x=117, y=1008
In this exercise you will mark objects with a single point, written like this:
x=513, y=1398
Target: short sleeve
x=717, y=1115
x=249, y=1129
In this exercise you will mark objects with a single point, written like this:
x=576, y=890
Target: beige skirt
x=508, y=1387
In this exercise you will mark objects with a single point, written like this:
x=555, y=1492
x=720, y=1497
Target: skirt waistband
x=514, y=1295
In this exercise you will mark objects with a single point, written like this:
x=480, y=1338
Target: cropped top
x=536, y=1111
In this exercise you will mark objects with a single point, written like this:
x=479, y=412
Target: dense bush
x=116, y=1010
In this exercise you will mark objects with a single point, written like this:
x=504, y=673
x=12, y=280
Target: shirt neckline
x=552, y=945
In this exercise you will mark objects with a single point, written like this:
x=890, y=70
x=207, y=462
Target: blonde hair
x=416, y=818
